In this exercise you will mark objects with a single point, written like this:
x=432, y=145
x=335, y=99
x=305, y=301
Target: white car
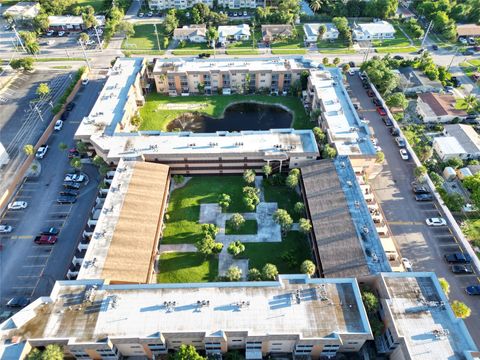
x=85, y=81
x=351, y=72
x=41, y=152
x=61, y=33
x=378, y=148
x=58, y=125
x=17, y=205
x=90, y=42
x=407, y=264
x=74, y=177
x=436, y=222
x=141, y=15
x=404, y=154
x=5, y=229
x=463, y=40
x=150, y=14
x=49, y=32
x=245, y=13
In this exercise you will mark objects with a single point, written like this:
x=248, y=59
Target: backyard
x=156, y=115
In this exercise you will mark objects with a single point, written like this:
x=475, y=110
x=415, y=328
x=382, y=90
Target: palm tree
x=470, y=102
x=316, y=5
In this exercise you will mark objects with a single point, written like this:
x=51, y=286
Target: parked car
x=471, y=41
x=150, y=14
x=376, y=102
x=50, y=231
x=398, y=57
x=458, y=258
x=407, y=264
x=70, y=106
x=141, y=15
x=469, y=52
x=370, y=93
x=461, y=269
x=421, y=51
x=400, y=141
x=423, y=197
x=473, y=290
x=394, y=131
x=245, y=13
x=436, y=221
x=7, y=314
x=404, y=154
x=417, y=189
x=18, y=301
x=381, y=111
x=65, y=115
x=73, y=153
x=434, y=47
x=5, y=229
x=71, y=185
x=387, y=121
x=351, y=63
x=17, y=205
x=351, y=72
x=74, y=177
x=50, y=33
x=463, y=40
x=41, y=152
x=85, y=81
x=58, y=125
x=70, y=192
x=45, y=239
x=449, y=89
x=356, y=106
x=61, y=33
x=66, y=199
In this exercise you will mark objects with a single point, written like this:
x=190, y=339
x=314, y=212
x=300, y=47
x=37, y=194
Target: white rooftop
x=312, y=29
x=231, y=30
x=378, y=27
x=65, y=20
x=449, y=145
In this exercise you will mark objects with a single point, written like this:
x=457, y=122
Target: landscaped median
x=157, y=112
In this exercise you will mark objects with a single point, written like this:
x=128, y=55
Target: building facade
x=176, y=4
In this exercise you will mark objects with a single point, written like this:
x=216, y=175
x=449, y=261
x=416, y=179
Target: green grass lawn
x=241, y=48
x=471, y=229
x=190, y=48
x=400, y=44
x=96, y=4
x=470, y=67
x=242, y=52
x=291, y=43
x=286, y=255
x=182, y=227
x=393, y=49
x=156, y=117
x=186, y=267
x=288, y=51
x=144, y=38
x=248, y=228
x=284, y=196
x=334, y=47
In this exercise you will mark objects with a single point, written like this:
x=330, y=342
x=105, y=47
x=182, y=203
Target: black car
x=387, y=121
x=365, y=86
x=458, y=258
x=417, y=189
x=64, y=199
x=394, y=131
x=461, y=269
x=434, y=47
x=50, y=231
x=70, y=106
x=71, y=185
x=18, y=301
x=473, y=290
x=423, y=197
x=356, y=106
x=351, y=63
x=65, y=114
x=398, y=57
x=376, y=102
x=69, y=192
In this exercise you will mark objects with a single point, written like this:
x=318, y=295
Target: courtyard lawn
x=183, y=267
x=144, y=38
x=156, y=115
x=182, y=227
x=249, y=228
x=287, y=255
x=283, y=196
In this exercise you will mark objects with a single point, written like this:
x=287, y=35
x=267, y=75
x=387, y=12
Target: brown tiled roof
x=277, y=30
x=134, y=242
x=468, y=30
x=442, y=104
x=192, y=30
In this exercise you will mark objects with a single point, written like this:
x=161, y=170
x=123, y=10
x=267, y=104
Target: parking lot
x=423, y=245
x=28, y=269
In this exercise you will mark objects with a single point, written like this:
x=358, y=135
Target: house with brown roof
x=468, y=30
x=278, y=31
x=192, y=33
x=433, y=107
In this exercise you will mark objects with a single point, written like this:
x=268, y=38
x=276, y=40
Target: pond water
x=237, y=117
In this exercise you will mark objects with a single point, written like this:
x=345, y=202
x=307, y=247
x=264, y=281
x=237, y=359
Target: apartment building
x=226, y=76
x=176, y=4
x=238, y=4
x=293, y=315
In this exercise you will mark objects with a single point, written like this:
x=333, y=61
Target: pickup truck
x=45, y=239
x=458, y=258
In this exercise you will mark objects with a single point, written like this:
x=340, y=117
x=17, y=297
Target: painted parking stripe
x=405, y=223
x=38, y=256
x=38, y=265
x=23, y=287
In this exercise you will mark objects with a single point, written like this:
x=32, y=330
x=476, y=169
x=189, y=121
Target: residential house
x=468, y=30
x=433, y=107
x=192, y=33
x=459, y=140
x=311, y=32
x=23, y=11
x=278, y=31
x=413, y=81
x=239, y=32
x=373, y=31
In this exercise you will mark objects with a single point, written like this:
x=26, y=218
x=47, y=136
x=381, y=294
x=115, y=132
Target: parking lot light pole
x=85, y=54
x=18, y=38
x=98, y=38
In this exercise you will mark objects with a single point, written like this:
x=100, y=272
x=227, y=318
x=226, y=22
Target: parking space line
x=40, y=265
x=27, y=276
x=405, y=223
x=38, y=256
x=23, y=287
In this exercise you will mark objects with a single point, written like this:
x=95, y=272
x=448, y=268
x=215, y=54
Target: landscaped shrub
x=69, y=90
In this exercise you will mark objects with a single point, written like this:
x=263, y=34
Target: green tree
x=212, y=36
x=325, y=61
x=235, y=248
x=470, y=102
x=291, y=181
x=62, y=146
x=34, y=354
x=299, y=207
x=436, y=179
x=424, y=152
x=370, y=301
x=236, y=221
x=207, y=246
x=445, y=286
x=43, y=90
x=52, y=352
x=29, y=149
x=461, y=310
x=234, y=273
x=210, y=230
x=380, y=157
x=88, y=17
x=283, y=218
x=76, y=163
x=420, y=172
x=328, y=152
x=454, y=162
x=378, y=71
x=224, y=201
x=322, y=29
x=336, y=61
x=315, y=5
x=24, y=63
x=83, y=38
x=178, y=179
x=320, y=135
x=269, y=272
x=187, y=352
x=249, y=176
x=250, y=197
x=196, y=18
x=170, y=22
x=128, y=30
x=308, y=267
x=254, y=275
x=346, y=68
x=397, y=100
x=30, y=41
x=267, y=170
x=304, y=225
x=40, y=22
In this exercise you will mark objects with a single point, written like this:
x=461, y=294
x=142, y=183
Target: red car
x=381, y=111
x=370, y=93
x=45, y=239
x=73, y=153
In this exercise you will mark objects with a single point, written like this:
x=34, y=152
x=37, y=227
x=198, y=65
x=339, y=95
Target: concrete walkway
x=177, y=248
x=259, y=186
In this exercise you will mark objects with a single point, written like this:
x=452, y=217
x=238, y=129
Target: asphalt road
x=424, y=246
x=27, y=269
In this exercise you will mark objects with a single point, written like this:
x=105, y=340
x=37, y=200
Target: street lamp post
x=98, y=38
x=18, y=37
x=39, y=112
x=156, y=34
x=85, y=54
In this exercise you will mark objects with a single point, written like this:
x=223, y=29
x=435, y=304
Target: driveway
x=28, y=269
x=422, y=245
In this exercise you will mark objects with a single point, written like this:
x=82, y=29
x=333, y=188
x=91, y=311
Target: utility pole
x=156, y=34
x=39, y=112
x=453, y=58
x=85, y=54
x=98, y=38
x=19, y=38
x=426, y=33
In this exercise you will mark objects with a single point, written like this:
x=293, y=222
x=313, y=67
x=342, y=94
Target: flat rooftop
x=343, y=228
x=269, y=143
x=89, y=311
x=109, y=109
x=125, y=238
x=430, y=329
x=346, y=130
x=449, y=145
x=190, y=65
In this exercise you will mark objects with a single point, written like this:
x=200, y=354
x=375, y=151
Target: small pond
x=237, y=117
